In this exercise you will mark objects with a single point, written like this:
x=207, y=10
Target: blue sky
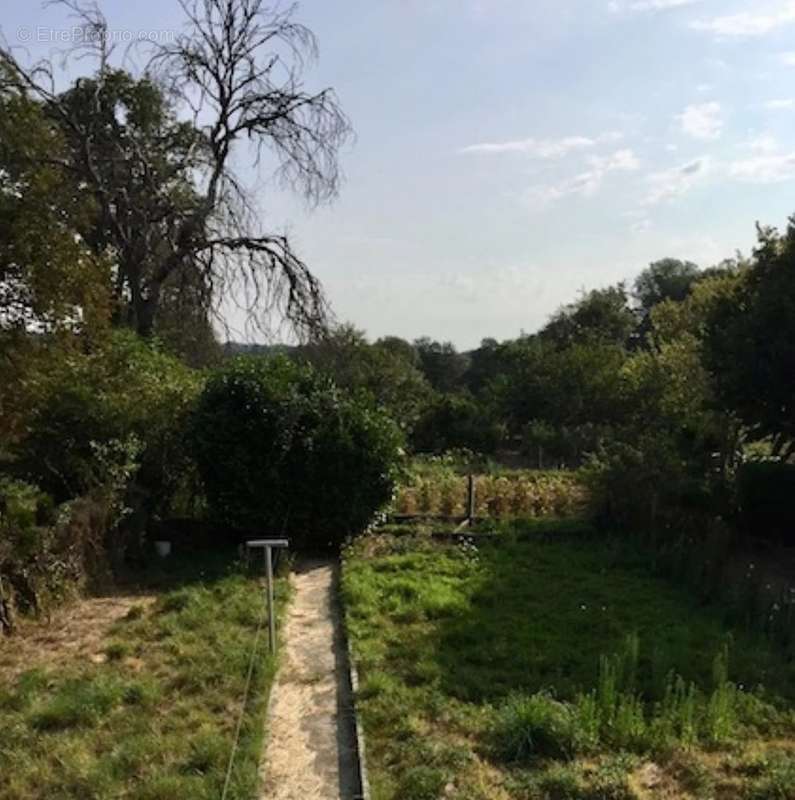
x=509, y=153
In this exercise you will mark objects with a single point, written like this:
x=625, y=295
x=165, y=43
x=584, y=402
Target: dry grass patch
x=152, y=715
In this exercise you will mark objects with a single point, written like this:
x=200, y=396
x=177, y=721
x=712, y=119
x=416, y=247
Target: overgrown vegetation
x=153, y=714
x=545, y=664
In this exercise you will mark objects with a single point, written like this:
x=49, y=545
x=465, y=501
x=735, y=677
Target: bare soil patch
x=73, y=632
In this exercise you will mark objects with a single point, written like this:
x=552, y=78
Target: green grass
x=545, y=666
x=156, y=720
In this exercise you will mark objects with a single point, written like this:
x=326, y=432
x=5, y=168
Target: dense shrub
x=280, y=449
x=646, y=487
x=764, y=493
x=91, y=409
x=49, y=552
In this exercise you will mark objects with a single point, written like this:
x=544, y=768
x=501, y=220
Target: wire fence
x=244, y=704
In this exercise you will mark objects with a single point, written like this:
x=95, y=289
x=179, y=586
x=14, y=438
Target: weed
x=116, y=651
x=144, y=692
x=135, y=612
x=527, y=727
x=777, y=781
x=562, y=782
x=422, y=783
x=81, y=701
x=175, y=601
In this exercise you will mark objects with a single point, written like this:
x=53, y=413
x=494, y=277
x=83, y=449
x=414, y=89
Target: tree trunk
x=6, y=612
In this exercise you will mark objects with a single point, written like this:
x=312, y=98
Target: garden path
x=311, y=751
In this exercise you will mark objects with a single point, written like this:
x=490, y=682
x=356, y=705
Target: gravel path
x=310, y=753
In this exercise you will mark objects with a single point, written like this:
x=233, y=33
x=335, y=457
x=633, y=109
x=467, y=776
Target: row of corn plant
x=523, y=494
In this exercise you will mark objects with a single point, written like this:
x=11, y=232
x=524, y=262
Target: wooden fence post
x=470, y=500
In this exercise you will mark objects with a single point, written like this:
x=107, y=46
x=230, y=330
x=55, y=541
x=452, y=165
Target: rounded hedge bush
x=282, y=451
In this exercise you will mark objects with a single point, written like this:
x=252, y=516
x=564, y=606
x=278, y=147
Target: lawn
x=547, y=665
x=155, y=719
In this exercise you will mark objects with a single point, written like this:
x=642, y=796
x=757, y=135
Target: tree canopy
x=155, y=154
x=750, y=341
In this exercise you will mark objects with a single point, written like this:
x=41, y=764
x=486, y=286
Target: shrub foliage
x=281, y=449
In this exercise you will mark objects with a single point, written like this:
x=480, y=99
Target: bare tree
x=171, y=210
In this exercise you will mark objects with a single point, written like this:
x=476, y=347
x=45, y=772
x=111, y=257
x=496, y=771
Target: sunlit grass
x=543, y=666
x=156, y=720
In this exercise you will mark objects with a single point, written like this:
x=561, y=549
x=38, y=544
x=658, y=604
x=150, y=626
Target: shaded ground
x=310, y=753
x=75, y=631
x=453, y=641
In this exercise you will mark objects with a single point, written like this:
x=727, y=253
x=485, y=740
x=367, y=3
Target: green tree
x=168, y=208
x=485, y=363
x=570, y=386
x=50, y=279
x=601, y=315
x=457, y=421
x=667, y=279
x=387, y=372
x=750, y=342
x=442, y=364
x=400, y=348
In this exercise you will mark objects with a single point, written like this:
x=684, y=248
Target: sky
x=510, y=154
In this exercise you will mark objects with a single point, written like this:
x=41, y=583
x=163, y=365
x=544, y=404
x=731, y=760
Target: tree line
x=125, y=230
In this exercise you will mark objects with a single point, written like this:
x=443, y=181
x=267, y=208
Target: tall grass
x=481, y=670
x=616, y=715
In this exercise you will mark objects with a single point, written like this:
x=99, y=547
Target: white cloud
x=763, y=163
x=782, y=104
x=621, y=160
x=648, y=5
x=588, y=182
x=547, y=149
x=765, y=143
x=702, y=121
x=747, y=23
x=766, y=168
x=787, y=59
x=671, y=183
x=537, y=148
